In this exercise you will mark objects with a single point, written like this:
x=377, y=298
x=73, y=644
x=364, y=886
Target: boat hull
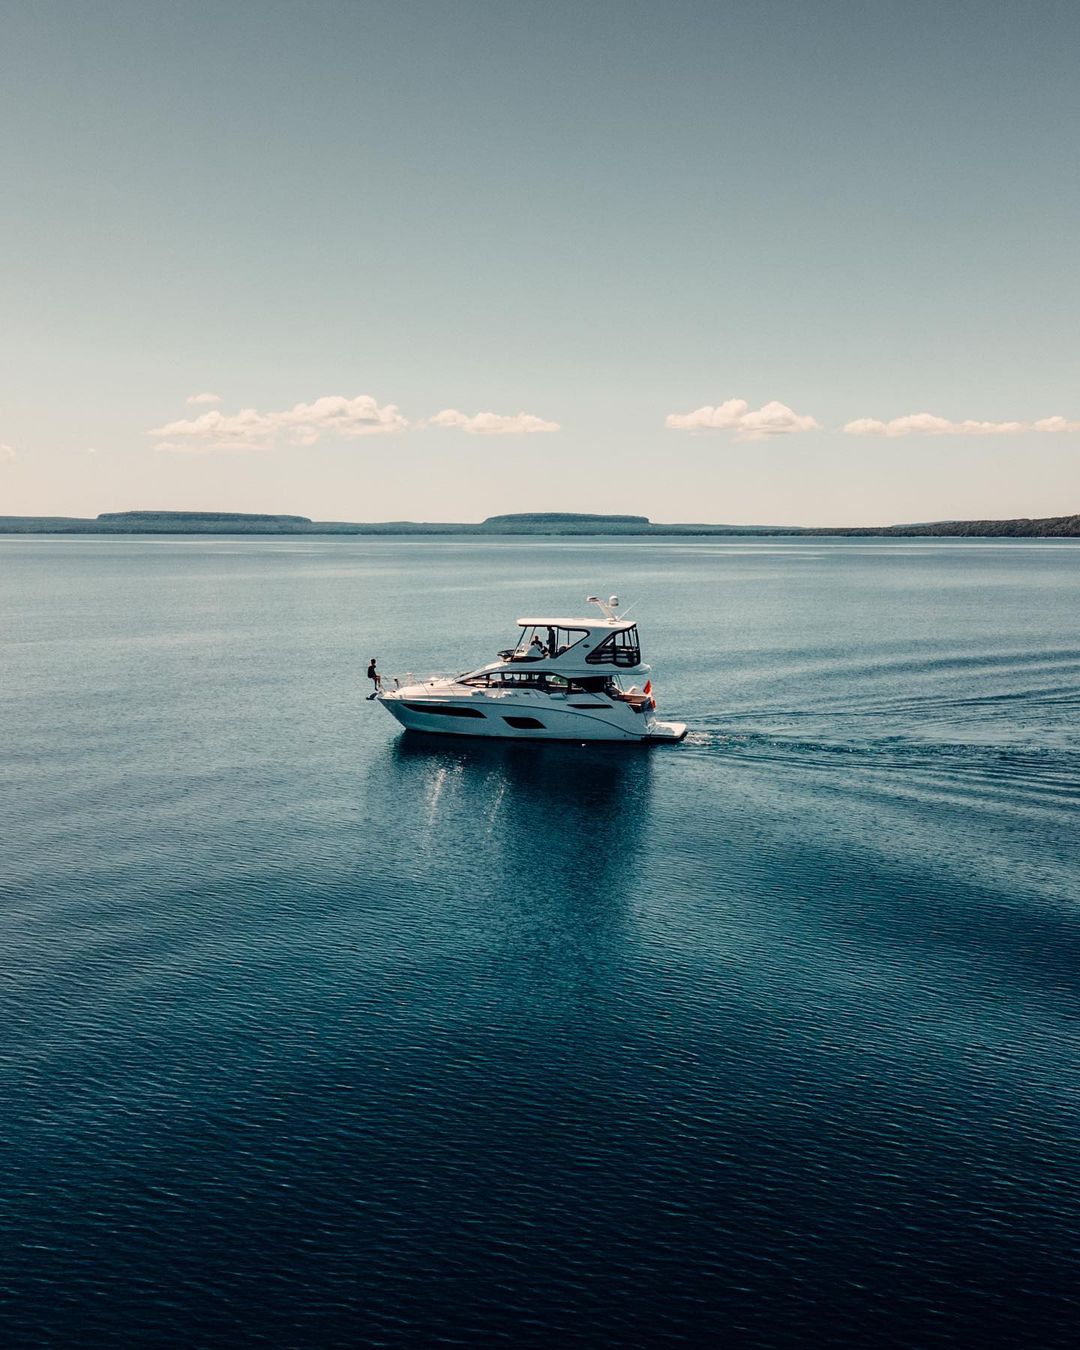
x=521, y=717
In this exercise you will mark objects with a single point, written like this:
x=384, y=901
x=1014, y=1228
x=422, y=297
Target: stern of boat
x=667, y=731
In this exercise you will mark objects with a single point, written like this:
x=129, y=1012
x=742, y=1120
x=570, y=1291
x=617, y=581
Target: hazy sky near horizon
x=753, y=262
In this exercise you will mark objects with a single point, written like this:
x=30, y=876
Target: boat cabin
x=583, y=691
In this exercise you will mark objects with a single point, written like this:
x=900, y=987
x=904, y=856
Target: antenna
x=609, y=606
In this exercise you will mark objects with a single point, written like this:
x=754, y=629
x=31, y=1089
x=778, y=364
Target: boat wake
x=1001, y=774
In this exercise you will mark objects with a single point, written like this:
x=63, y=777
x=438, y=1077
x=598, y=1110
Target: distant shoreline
x=547, y=524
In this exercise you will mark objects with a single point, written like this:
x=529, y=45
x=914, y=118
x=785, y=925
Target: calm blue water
x=311, y=1034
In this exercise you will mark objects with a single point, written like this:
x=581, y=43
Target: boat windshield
x=541, y=642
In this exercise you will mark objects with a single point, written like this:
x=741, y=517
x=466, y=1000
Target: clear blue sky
x=599, y=215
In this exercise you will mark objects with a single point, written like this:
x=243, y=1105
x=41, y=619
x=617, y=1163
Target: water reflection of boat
x=563, y=679
x=533, y=810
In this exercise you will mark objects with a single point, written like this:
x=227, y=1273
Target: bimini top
x=611, y=620
x=608, y=625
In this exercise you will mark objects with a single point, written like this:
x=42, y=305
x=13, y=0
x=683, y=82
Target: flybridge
x=575, y=641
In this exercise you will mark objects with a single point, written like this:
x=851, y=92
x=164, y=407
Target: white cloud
x=246, y=430
x=303, y=424
x=493, y=424
x=771, y=419
x=928, y=424
x=1056, y=424
x=7, y=453
x=203, y=398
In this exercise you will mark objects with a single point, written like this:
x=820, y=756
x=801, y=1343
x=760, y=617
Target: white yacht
x=563, y=680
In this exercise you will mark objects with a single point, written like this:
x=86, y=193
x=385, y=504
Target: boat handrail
x=405, y=680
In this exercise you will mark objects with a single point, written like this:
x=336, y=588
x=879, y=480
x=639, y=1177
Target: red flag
x=648, y=687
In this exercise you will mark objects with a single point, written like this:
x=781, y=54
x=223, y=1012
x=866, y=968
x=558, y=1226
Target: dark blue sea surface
x=315, y=1034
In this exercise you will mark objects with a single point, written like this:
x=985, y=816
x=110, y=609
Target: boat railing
x=404, y=680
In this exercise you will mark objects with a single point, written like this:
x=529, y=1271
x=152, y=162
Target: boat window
x=524, y=723
x=444, y=710
x=598, y=684
x=617, y=649
x=545, y=681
